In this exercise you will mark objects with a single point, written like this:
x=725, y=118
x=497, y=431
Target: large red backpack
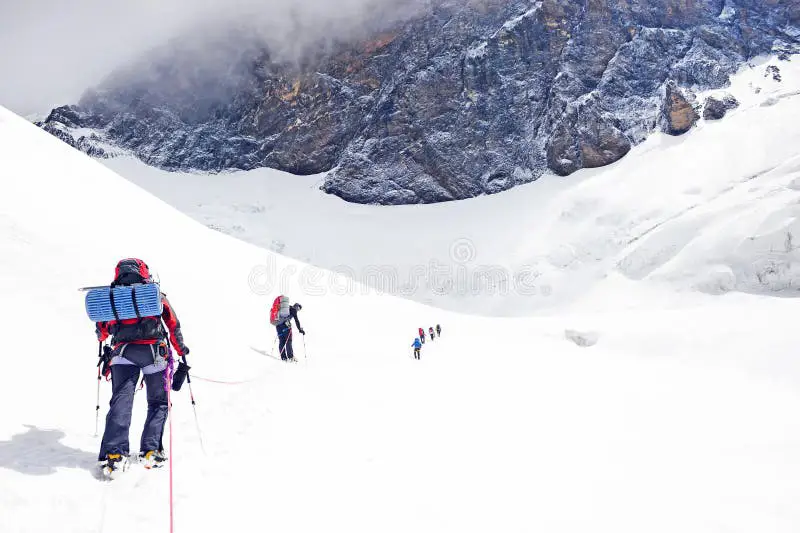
x=280, y=310
x=130, y=271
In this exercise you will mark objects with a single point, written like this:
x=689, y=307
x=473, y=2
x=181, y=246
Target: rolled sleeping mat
x=104, y=304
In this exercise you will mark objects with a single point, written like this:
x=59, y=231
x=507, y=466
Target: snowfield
x=680, y=416
x=714, y=211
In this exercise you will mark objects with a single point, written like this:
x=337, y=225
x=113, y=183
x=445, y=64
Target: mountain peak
x=463, y=99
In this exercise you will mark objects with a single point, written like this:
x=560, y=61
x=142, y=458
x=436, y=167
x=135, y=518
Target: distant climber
x=431, y=333
x=137, y=345
x=438, y=330
x=281, y=316
x=422, y=335
x=417, y=347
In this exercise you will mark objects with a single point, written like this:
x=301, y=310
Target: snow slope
x=682, y=417
x=709, y=211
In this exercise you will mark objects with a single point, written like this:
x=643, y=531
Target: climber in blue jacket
x=417, y=347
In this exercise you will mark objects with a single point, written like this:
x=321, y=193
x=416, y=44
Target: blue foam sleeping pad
x=148, y=302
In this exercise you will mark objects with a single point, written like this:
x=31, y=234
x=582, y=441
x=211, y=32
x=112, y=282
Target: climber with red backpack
x=281, y=316
x=138, y=344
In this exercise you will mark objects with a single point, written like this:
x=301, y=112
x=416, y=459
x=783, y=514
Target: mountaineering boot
x=113, y=465
x=153, y=459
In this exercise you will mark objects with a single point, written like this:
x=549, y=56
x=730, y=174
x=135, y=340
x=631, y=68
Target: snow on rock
x=445, y=106
x=554, y=241
x=716, y=108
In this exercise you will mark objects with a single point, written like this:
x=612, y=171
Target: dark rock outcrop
x=678, y=115
x=717, y=108
x=470, y=97
x=773, y=71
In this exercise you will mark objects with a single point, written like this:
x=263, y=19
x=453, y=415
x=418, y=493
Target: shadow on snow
x=39, y=452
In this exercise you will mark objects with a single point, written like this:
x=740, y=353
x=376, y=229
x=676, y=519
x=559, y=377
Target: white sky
x=52, y=50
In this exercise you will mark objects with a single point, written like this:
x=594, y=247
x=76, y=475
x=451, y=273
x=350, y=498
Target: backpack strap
x=135, y=304
x=113, y=305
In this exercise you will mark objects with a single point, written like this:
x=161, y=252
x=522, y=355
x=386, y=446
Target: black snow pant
x=416, y=353
x=285, y=341
x=124, y=376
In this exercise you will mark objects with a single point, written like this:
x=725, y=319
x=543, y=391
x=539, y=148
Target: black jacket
x=293, y=314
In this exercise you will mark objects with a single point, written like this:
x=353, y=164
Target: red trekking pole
x=171, y=461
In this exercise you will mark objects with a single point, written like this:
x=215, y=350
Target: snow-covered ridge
x=710, y=211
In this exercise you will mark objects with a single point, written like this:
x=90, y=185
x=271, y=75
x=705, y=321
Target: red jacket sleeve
x=174, y=326
x=102, y=331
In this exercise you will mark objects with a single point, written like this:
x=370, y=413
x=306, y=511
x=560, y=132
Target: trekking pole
x=99, y=379
x=194, y=408
x=168, y=374
x=305, y=351
x=274, y=343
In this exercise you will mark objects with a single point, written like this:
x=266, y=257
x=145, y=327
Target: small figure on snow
x=417, y=347
x=139, y=345
x=431, y=333
x=438, y=330
x=422, y=335
x=285, y=333
x=281, y=316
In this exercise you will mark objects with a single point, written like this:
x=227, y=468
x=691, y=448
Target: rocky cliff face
x=470, y=97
